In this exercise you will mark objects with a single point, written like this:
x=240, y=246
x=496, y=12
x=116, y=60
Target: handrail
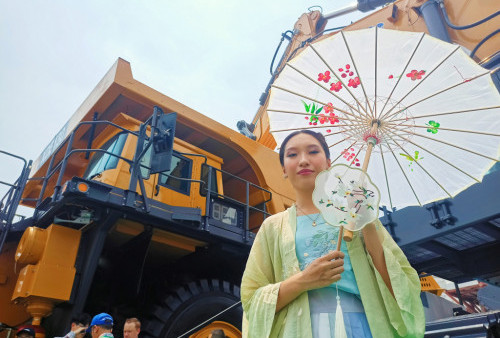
x=15, y=156
x=69, y=140
x=12, y=198
x=62, y=164
x=246, y=204
x=244, y=181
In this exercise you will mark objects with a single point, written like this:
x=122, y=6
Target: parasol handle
x=371, y=143
x=344, y=233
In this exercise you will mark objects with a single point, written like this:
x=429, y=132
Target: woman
x=288, y=285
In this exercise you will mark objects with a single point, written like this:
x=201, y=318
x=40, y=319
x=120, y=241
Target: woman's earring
x=285, y=176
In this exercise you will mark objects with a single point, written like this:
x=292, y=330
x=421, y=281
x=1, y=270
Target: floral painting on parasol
x=416, y=114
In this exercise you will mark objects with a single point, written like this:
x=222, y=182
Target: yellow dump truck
x=146, y=208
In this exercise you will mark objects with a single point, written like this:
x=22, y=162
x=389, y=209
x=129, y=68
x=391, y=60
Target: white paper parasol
x=422, y=113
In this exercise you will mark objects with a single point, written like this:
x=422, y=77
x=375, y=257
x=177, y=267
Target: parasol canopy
x=430, y=113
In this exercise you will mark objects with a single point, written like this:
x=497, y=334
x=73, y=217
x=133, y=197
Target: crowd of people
x=100, y=326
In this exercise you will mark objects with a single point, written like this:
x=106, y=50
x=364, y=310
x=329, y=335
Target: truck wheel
x=192, y=304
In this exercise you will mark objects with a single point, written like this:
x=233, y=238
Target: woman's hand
x=323, y=271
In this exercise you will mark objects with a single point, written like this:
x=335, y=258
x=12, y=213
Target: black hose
x=328, y=30
x=283, y=37
x=483, y=41
x=310, y=40
x=447, y=19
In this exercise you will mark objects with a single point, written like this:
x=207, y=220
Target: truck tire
x=192, y=304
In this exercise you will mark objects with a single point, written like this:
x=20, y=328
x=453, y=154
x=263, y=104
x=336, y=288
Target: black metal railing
x=245, y=204
x=59, y=169
x=10, y=201
x=61, y=166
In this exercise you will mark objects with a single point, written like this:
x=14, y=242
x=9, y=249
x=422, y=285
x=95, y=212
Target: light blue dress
x=314, y=242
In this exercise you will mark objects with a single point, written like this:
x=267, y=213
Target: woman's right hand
x=323, y=271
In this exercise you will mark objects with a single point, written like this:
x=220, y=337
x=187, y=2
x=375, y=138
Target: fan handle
x=347, y=234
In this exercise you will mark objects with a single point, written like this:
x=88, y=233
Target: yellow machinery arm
x=405, y=15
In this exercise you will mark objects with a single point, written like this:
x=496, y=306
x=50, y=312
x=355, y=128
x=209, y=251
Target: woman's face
x=303, y=160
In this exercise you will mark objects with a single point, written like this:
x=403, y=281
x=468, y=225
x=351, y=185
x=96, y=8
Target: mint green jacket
x=273, y=259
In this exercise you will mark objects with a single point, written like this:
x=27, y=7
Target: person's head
x=79, y=324
x=217, y=333
x=101, y=323
x=318, y=136
x=303, y=155
x=25, y=332
x=131, y=328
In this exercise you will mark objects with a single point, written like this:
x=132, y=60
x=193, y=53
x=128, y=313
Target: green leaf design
x=306, y=106
x=409, y=158
x=319, y=110
x=434, y=126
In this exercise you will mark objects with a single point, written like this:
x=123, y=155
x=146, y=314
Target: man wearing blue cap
x=25, y=332
x=101, y=326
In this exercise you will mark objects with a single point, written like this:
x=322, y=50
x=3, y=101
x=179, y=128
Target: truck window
x=145, y=164
x=101, y=161
x=179, y=167
x=204, y=178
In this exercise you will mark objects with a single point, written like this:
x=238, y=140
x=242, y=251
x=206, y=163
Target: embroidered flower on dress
x=319, y=244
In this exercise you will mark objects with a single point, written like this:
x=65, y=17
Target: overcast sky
x=212, y=56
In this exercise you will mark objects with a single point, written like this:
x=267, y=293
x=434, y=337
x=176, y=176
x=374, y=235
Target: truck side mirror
x=162, y=138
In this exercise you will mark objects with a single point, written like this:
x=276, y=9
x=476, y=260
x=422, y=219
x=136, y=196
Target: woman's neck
x=305, y=204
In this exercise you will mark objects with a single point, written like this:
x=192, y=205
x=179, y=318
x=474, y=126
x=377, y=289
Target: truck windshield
x=101, y=161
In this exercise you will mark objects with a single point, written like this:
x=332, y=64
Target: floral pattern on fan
x=347, y=197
